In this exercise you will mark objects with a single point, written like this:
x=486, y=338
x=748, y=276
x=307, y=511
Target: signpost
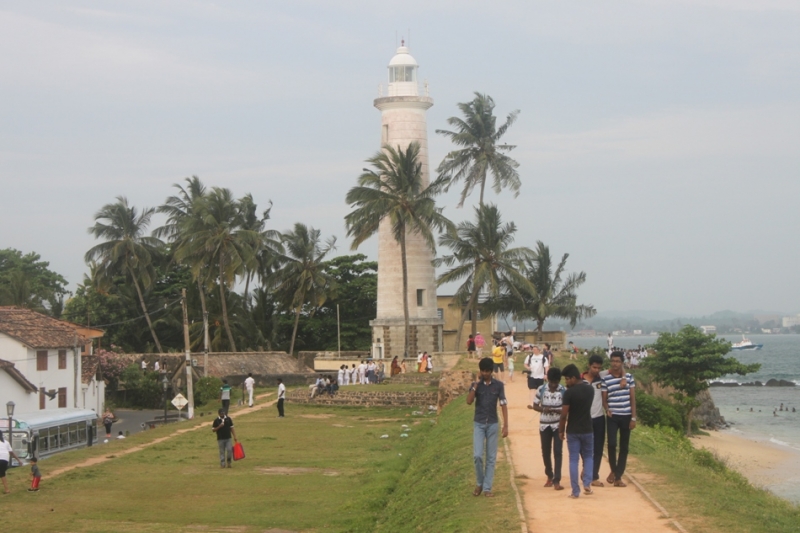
x=179, y=402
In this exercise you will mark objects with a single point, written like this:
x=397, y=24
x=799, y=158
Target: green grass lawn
x=319, y=469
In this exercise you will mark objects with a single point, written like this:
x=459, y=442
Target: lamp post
x=165, y=386
x=10, y=412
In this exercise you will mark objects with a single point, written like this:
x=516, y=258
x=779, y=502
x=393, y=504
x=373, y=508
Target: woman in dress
x=395, y=366
x=423, y=364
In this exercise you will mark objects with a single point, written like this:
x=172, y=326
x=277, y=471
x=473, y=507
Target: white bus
x=44, y=433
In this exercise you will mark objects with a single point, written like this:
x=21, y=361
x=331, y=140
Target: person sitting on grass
x=548, y=401
x=486, y=393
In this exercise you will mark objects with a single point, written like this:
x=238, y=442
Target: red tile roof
x=89, y=364
x=39, y=331
x=12, y=371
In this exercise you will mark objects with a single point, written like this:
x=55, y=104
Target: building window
x=469, y=315
x=41, y=360
x=385, y=134
x=420, y=297
x=62, y=397
x=62, y=359
x=42, y=400
x=440, y=313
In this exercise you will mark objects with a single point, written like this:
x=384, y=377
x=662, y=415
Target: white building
x=708, y=329
x=403, y=121
x=41, y=363
x=790, y=321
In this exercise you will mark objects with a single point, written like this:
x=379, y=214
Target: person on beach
x=471, y=346
x=548, y=401
x=223, y=427
x=536, y=365
x=225, y=395
x=281, y=397
x=249, y=385
x=486, y=393
x=36, y=475
x=619, y=402
x=594, y=377
x=575, y=425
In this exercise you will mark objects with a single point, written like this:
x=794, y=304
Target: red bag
x=238, y=451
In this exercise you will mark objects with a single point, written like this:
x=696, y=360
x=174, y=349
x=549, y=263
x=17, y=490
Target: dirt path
x=122, y=453
x=609, y=509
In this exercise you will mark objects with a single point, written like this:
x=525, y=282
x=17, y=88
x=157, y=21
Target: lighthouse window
x=401, y=74
x=420, y=297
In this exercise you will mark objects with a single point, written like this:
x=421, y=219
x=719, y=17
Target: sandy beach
x=764, y=464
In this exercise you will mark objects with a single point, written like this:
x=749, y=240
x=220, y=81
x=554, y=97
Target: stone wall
x=452, y=385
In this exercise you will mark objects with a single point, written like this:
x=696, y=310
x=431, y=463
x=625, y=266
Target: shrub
x=206, y=390
x=653, y=411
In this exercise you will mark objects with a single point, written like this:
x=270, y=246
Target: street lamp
x=165, y=386
x=10, y=412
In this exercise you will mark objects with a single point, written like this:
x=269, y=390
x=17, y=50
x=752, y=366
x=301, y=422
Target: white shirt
x=156, y=366
x=144, y=365
x=362, y=368
x=5, y=451
x=538, y=364
x=341, y=374
x=249, y=383
x=281, y=391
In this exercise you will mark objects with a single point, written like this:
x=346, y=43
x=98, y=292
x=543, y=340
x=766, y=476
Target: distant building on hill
x=708, y=329
x=790, y=321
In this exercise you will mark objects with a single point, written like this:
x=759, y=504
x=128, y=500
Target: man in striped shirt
x=619, y=402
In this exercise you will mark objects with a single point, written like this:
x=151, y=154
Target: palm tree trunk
x=246, y=288
x=225, y=306
x=539, y=326
x=146, y=314
x=463, y=319
x=483, y=186
x=294, y=330
x=405, y=290
x=689, y=412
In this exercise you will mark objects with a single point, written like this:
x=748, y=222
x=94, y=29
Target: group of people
x=591, y=410
x=475, y=345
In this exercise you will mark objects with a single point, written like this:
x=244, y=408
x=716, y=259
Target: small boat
x=746, y=344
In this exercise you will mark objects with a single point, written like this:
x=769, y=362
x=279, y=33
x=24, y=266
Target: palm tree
x=216, y=237
x=479, y=135
x=484, y=261
x=551, y=296
x=302, y=278
x=127, y=250
x=179, y=209
x=268, y=248
x=394, y=191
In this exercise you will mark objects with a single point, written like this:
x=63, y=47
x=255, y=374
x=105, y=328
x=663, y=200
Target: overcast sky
x=659, y=142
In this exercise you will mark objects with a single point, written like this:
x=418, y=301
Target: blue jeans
x=581, y=445
x=225, y=448
x=484, y=437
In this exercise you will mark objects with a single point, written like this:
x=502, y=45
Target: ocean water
x=779, y=359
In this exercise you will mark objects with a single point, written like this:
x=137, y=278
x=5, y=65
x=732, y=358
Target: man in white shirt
x=144, y=364
x=340, y=376
x=250, y=384
x=156, y=366
x=536, y=365
x=281, y=397
x=362, y=373
x=353, y=374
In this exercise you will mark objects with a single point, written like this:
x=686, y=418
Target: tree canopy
x=687, y=360
x=27, y=281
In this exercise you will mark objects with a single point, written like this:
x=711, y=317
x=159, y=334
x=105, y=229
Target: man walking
x=471, y=346
x=594, y=377
x=548, y=401
x=619, y=401
x=281, y=397
x=486, y=393
x=536, y=365
x=499, y=359
x=223, y=427
x=480, y=342
x=250, y=384
x=225, y=395
x=577, y=410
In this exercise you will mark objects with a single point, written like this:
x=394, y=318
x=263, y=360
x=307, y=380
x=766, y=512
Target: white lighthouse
x=403, y=122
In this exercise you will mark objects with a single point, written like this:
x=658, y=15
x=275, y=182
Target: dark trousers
x=225, y=405
x=280, y=406
x=599, y=427
x=621, y=423
x=551, y=444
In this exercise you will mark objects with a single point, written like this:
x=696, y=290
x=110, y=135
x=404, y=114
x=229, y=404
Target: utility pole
x=205, y=344
x=187, y=345
x=338, y=330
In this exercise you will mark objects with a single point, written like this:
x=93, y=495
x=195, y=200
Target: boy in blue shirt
x=486, y=393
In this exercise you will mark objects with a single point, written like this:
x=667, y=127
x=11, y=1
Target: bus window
x=63, y=436
x=53, y=438
x=81, y=432
x=43, y=442
x=73, y=434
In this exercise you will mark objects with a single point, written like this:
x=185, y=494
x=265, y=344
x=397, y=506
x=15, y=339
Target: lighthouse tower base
x=388, y=336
